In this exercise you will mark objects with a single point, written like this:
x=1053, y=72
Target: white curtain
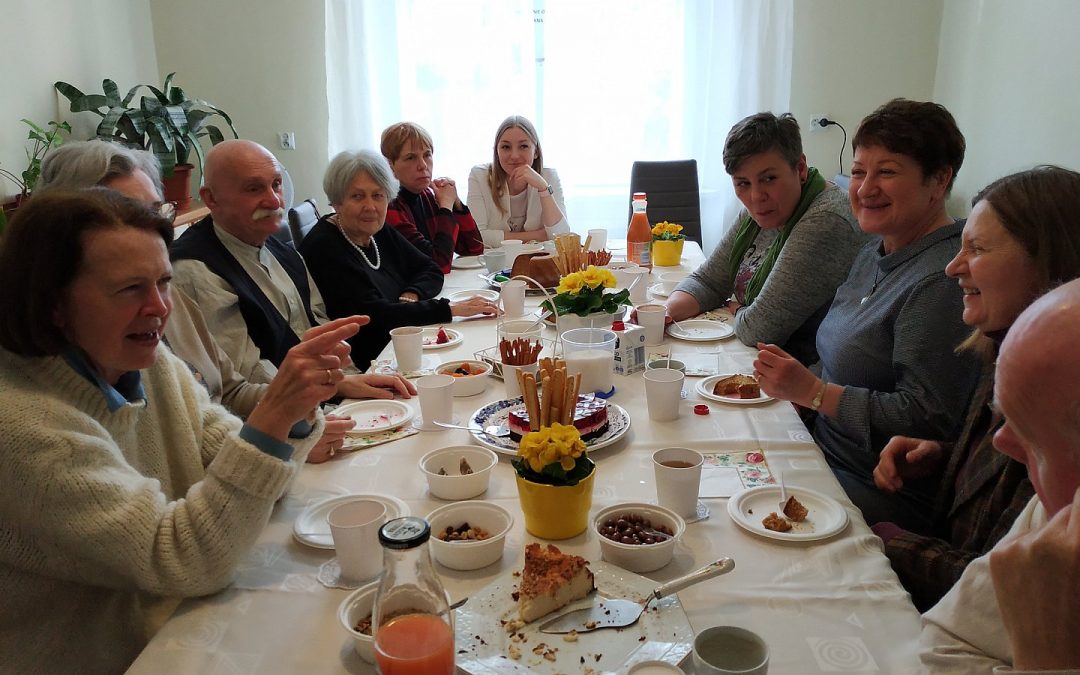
x=605, y=83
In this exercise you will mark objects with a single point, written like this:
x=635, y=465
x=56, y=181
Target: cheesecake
x=590, y=419
x=551, y=580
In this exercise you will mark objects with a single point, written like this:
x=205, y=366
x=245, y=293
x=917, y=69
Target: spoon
x=495, y=430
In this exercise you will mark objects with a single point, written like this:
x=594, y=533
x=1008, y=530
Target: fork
x=783, y=493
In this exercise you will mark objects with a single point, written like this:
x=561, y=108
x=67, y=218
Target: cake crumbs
x=571, y=636
x=590, y=624
x=515, y=653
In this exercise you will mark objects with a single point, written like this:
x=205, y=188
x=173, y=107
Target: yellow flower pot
x=667, y=253
x=556, y=511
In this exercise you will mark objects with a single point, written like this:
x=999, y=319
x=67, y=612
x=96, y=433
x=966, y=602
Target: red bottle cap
x=618, y=325
x=639, y=196
x=701, y=409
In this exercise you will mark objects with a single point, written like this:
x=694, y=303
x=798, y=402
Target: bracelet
x=819, y=397
x=402, y=298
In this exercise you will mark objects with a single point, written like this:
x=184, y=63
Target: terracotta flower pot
x=178, y=187
x=556, y=511
x=667, y=253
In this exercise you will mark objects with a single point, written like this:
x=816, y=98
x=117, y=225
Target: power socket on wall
x=815, y=122
x=287, y=140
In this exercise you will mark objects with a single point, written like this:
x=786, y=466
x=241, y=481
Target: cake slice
x=740, y=386
x=551, y=580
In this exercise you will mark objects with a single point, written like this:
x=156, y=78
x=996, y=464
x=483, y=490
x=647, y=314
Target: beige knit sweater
x=106, y=518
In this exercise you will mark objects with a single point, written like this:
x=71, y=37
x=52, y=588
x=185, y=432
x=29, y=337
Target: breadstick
x=520, y=374
x=531, y=404
x=545, y=402
x=585, y=246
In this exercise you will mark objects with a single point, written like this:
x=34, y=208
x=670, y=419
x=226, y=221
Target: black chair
x=302, y=218
x=672, y=188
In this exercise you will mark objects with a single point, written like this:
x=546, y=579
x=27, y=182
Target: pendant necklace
x=378, y=258
x=877, y=278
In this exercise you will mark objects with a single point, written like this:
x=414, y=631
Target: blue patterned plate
x=499, y=411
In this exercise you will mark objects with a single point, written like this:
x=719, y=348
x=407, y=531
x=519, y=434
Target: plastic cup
x=530, y=329
x=591, y=352
x=354, y=526
x=513, y=297
x=599, y=239
x=408, y=347
x=726, y=650
x=663, y=389
x=651, y=318
x=492, y=238
x=494, y=259
x=436, y=394
x=678, y=479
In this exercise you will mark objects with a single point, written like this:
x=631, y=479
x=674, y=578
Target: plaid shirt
x=444, y=233
x=983, y=491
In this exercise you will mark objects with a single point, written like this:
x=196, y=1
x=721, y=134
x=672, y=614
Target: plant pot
x=595, y=320
x=178, y=187
x=556, y=511
x=667, y=253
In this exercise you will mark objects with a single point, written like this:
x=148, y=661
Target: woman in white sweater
x=123, y=488
x=515, y=193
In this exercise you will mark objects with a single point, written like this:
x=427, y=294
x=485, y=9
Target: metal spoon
x=495, y=430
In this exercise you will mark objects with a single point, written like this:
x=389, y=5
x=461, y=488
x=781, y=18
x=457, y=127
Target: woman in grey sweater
x=787, y=252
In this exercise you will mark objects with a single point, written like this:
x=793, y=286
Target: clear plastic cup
x=591, y=352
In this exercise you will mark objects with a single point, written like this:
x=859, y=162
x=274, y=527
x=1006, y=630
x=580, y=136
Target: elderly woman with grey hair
x=363, y=267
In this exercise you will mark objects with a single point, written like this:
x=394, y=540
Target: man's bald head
x=1038, y=390
x=242, y=189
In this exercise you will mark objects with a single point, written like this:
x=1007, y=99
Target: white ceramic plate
x=700, y=330
x=485, y=293
x=657, y=291
x=825, y=517
x=431, y=334
x=376, y=415
x=466, y=262
x=483, y=645
x=705, y=387
x=311, y=528
x=499, y=411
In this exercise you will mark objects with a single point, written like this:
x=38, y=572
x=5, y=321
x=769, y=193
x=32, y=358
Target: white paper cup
x=492, y=238
x=678, y=479
x=730, y=650
x=639, y=284
x=436, y=394
x=354, y=525
x=530, y=329
x=513, y=297
x=408, y=347
x=651, y=318
x=599, y=239
x=663, y=387
x=513, y=389
x=494, y=259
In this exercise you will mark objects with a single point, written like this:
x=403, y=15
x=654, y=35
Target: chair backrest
x=302, y=218
x=673, y=193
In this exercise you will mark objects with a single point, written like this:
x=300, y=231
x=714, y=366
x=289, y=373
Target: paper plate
x=466, y=262
x=700, y=330
x=431, y=334
x=376, y=415
x=705, y=387
x=485, y=293
x=311, y=528
x=825, y=516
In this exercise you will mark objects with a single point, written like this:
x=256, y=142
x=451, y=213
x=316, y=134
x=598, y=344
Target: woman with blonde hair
x=516, y=193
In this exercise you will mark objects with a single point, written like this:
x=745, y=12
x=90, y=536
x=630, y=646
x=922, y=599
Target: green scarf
x=748, y=232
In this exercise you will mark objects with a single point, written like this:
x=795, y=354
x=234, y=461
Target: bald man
x=1019, y=606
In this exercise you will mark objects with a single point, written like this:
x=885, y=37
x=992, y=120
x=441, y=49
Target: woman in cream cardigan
x=515, y=193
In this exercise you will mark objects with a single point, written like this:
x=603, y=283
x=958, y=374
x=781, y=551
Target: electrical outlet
x=288, y=140
x=815, y=122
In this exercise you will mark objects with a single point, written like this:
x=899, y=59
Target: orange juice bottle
x=639, y=233
x=412, y=624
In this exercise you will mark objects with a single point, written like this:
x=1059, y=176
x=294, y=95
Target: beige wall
x=263, y=63
x=76, y=41
x=1008, y=72
x=850, y=56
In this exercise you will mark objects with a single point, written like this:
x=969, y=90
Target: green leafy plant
x=43, y=141
x=665, y=231
x=166, y=122
x=582, y=293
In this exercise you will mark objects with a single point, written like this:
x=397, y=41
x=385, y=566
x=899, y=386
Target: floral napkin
x=360, y=442
x=725, y=473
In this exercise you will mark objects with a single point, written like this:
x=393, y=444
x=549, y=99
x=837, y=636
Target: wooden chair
x=672, y=188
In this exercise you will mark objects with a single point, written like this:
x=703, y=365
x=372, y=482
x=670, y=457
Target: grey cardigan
x=815, y=260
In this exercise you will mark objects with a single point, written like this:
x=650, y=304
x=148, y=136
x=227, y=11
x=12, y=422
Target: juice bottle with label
x=639, y=233
x=412, y=623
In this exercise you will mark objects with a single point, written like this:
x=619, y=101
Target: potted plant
x=581, y=300
x=667, y=244
x=43, y=141
x=167, y=122
x=555, y=481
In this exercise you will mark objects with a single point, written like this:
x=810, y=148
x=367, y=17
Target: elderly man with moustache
x=1018, y=607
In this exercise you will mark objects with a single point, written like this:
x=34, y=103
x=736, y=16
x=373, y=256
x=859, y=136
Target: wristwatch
x=550, y=190
x=819, y=397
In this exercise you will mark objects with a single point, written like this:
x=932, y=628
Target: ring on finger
x=329, y=377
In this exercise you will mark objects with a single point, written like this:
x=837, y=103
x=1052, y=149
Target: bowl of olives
x=638, y=537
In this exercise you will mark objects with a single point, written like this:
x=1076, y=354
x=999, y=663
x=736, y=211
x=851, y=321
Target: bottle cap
x=403, y=533
x=701, y=409
x=639, y=196
x=618, y=325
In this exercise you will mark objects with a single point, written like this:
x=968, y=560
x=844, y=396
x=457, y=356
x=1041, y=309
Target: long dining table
x=823, y=606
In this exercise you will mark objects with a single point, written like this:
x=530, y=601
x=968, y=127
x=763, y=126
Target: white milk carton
x=629, y=348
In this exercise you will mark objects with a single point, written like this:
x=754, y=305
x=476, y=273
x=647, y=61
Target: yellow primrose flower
x=571, y=283
x=558, y=443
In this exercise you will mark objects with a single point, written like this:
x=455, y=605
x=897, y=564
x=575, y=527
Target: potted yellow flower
x=555, y=481
x=667, y=244
x=581, y=300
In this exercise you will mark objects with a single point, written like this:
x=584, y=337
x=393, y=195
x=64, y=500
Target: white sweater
x=106, y=516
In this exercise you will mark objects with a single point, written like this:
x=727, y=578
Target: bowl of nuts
x=458, y=472
x=638, y=537
x=470, y=377
x=355, y=616
x=468, y=535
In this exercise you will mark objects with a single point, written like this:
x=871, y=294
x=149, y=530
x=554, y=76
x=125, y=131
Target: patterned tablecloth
x=823, y=607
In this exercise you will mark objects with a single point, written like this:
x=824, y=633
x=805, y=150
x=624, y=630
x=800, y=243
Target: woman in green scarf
x=778, y=267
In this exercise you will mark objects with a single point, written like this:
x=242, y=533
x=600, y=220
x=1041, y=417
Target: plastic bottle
x=412, y=623
x=639, y=233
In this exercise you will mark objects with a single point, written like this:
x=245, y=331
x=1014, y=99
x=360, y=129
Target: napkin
x=725, y=473
x=360, y=442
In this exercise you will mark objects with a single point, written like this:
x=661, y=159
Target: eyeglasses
x=167, y=210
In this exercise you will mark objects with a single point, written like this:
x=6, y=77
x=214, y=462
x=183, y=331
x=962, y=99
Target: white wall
x=76, y=41
x=1008, y=72
x=850, y=56
x=260, y=61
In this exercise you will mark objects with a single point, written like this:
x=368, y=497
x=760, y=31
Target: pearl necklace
x=378, y=258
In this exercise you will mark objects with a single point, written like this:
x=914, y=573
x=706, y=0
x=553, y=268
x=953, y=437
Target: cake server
x=617, y=613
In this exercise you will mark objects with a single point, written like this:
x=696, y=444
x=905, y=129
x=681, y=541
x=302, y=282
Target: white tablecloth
x=830, y=606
